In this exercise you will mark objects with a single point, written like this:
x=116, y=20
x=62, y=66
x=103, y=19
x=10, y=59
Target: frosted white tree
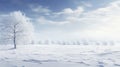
x=16, y=28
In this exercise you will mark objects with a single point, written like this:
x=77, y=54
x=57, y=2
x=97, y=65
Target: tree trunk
x=14, y=42
x=14, y=37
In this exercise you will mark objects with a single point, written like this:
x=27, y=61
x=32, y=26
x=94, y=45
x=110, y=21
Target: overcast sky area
x=68, y=19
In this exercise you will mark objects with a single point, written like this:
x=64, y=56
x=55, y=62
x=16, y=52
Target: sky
x=68, y=19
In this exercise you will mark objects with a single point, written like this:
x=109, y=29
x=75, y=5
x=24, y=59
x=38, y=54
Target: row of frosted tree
x=80, y=42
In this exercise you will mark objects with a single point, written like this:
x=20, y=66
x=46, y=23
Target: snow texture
x=60, y=56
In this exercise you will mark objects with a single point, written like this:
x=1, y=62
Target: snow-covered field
x=60, y=56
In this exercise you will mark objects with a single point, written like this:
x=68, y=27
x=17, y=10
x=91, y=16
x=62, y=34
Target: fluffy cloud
x=43, y=20
x=65, y=16
x=106, y=21
x=100, y=23
x=87, y=4
x=70, y=12
x=40, y=9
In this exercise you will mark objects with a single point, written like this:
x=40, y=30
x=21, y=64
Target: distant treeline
x=81, y=42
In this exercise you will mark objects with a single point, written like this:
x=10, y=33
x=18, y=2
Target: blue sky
x=67, y=19
x=54, y=5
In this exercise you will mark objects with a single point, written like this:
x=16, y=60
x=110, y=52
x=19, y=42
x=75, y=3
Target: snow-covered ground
x=60, y=56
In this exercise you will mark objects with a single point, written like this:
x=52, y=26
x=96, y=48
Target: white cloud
x=70, y=12
x=43, y=20
x=40, y=9
x=87, y=4
x=67, y=16
x=106, y=22
x=100, y=23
